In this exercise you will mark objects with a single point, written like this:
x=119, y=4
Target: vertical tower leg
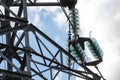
x=24, y=2
x=8, y=35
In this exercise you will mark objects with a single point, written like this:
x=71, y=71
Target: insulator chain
x=74, y=18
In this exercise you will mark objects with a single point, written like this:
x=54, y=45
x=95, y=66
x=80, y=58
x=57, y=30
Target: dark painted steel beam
x=40, y=4
x=39, y=74
x=61, y=66
x=33, y=28
x=51, y=41
x=19, y=20
x=14, y=74
x=20, y=39
x=12, y=40
x=5, y=31
x=16, y=48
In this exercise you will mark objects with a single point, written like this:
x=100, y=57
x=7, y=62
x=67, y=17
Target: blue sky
x=52, y=23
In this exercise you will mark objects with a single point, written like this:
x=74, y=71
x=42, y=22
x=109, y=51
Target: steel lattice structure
x=25, y=62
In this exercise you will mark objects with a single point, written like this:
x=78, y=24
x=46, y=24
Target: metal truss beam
x=5, y=58
x=5, y=31
x=59, y=65
x=40, y=4
x=19, y=20
x=8, y=9
x=15, y=74
x=33, y=28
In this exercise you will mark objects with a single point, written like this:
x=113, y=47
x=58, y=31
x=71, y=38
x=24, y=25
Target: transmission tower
x=19, y=60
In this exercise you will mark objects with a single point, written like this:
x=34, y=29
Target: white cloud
x=102, y=18
x=35, y=18
x=35, y=12
x=48, y=9
x=61, y=21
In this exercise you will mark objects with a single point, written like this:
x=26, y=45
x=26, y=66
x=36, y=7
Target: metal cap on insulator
x=68, y=3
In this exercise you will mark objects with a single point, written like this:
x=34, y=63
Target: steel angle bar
x=18, y=20
x=36, y=67
x=71, y=73
x=20, y=39
x=14, y=74
x=14, y=2
x=8, y=9
x=40, y=4
x=40, y=63
x=5, y=31
x=39, y=46
x=38, y=74
x=44, y=45
x=89, y=71
x=100, y=72
x=51, y=41
x=56, y=75
x=56, y=68
x=12, y=40
x=16, y=48
x=61, y=57
x=54, y=57
x=63, y=67
x=5, y=58
x=51, y=74
x=75, y=72
x=33, y=2
x=39, y=55
x=33, y=28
